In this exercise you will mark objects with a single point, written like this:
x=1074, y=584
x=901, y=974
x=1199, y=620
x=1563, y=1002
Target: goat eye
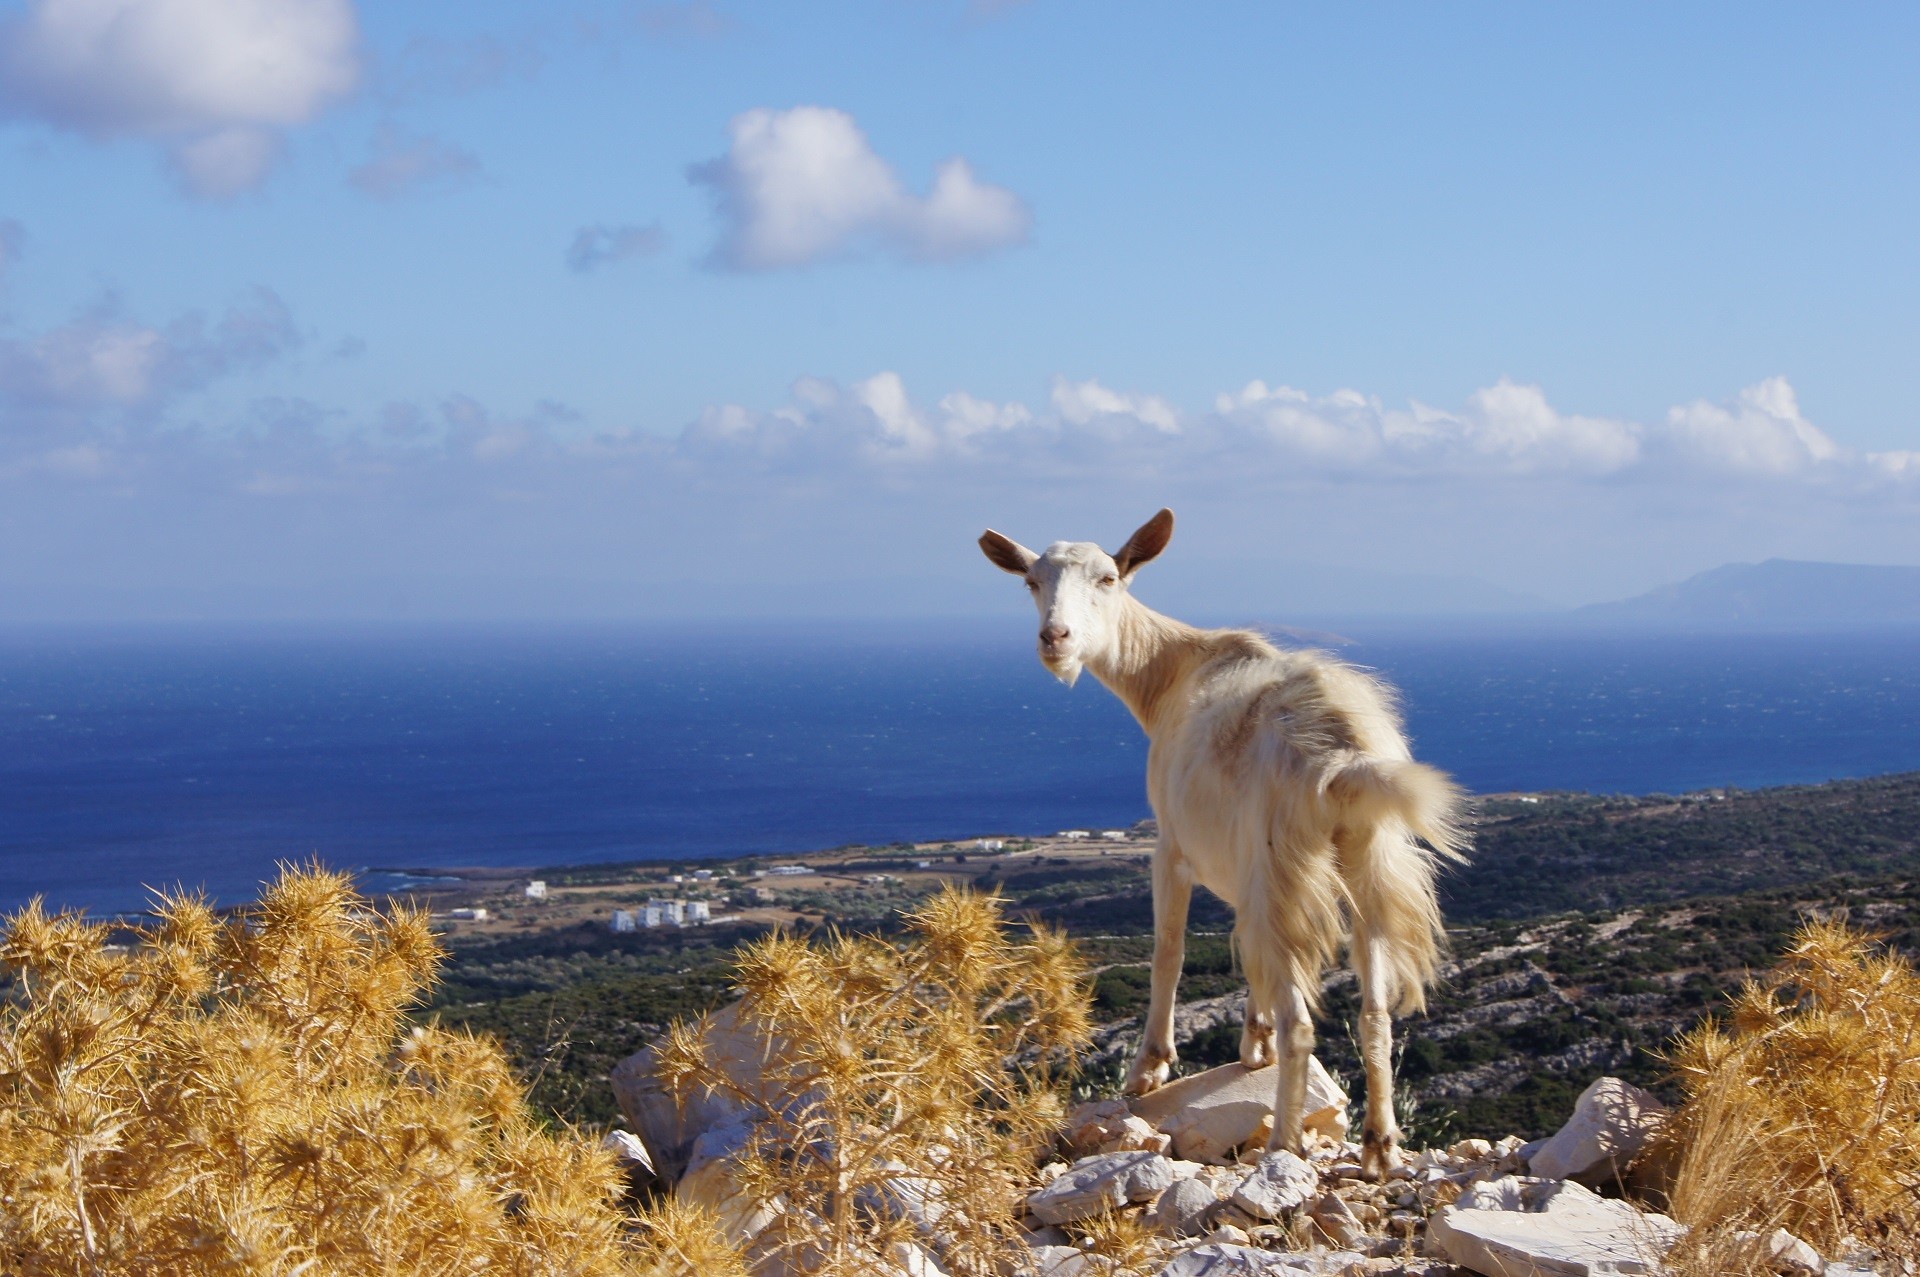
x=1033, y=585
x=1109, y=580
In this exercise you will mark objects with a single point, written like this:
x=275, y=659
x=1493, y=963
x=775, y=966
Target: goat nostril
x=1054, y=634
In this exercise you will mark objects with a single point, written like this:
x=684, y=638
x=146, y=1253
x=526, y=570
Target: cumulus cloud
x=216, y=81
x=596, y=246
x=68, y=391
x=1505, y=430
x=402, y=163
x=802, y=185
x=1082, y=402
x=1760, y=432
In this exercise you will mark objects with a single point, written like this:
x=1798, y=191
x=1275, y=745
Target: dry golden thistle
x=243, y=1097
x=1122, y=1244
x=1803, y=1108
x=906, y=1089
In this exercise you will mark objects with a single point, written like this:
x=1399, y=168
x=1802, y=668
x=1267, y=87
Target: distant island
x=1776, y=593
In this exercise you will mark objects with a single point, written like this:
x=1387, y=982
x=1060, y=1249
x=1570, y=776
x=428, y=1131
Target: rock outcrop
x=1225, y=1206
x=1612, y=1122
x=1101, y=1183
x=1531, y=1227
x=1211, y=1115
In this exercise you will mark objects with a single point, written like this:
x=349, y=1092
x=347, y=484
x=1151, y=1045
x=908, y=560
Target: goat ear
x=1006, y=553
x=1145, y=545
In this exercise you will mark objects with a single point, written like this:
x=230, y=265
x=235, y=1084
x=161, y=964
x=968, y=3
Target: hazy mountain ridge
x=1777, y=592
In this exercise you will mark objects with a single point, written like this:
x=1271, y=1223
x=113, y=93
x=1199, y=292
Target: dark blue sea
x=203, y=758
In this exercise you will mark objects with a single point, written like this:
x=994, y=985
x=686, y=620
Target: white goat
x=1282, y=783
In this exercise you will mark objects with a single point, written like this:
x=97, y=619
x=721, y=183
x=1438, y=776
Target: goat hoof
x=1147, y=1077
x=1256, y=1053
x=1379, y=1154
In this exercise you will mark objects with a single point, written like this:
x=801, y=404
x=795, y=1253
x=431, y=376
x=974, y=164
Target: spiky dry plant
x=242, y=1096
x=906, y=1089
x=1122, y=1244
x=1803, y=1107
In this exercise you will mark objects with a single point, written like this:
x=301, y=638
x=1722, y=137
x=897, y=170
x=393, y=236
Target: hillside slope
x=1778, y=592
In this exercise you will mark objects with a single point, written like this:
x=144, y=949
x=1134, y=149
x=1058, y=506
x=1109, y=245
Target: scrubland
x=282, y=1090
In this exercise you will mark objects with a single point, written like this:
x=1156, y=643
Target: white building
x=990, y=844
x=672, y=912
x=698, y=914
x=787, y=871
x=467, y=915
x=1075, y=834
x=623, y=920
x=1114, y=835
x=537, y=890
x=702, y=875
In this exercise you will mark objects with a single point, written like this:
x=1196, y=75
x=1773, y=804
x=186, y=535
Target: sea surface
x=203, y=758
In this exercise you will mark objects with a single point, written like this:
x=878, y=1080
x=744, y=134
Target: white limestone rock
x=1224, y=1259
x=709, y=1181
x=669, y=1127
x=1060, y=1261
x=1280, y=1183
x=1109, y=1126
x=910, y=1260
x=1612, y=1121
x=1185, y=1209
x=1210, y=1114
x=1106, y=1181
x=629, y=1148
x=1529, y=1227
x=1221, y=1259
x=1786, y=1254
x=1333, y=1217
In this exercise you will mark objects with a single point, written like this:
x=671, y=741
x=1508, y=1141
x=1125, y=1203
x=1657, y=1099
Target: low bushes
x=243, y=1096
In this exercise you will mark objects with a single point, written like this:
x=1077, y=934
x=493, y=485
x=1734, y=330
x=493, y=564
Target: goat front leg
x=1380, y=1140
x=1172, y=891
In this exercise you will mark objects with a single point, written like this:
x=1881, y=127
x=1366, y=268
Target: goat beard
x=1067, y=671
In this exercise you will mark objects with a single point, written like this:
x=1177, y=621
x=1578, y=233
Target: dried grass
x=1803, y=1109
x=243, y=1096
x=907, y=1090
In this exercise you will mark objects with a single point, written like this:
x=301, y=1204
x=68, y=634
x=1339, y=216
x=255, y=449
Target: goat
x=1281, y=782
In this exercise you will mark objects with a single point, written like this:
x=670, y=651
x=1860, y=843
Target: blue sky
x=316, y=309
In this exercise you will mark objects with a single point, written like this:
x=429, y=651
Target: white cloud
x=1760, y=432
x=596, y=246
x=1081, y=402
x=804, y=184
x=403, y=162
x=1505, y=427
x=215, y=80
x=1504, y=430
x=103, y=367
x=226, y=162
x=1896, y=465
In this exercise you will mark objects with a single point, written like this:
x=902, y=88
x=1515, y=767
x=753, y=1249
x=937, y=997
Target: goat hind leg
x=1380, y=1140
x=1256, y=1036
x=1172, y=892
x=1293, y=1041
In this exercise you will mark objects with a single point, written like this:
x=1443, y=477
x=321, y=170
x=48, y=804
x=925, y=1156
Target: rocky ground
x=1187, y=1170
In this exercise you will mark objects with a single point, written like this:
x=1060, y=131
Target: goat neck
x=1147, y=660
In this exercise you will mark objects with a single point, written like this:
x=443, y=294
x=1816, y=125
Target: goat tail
x=1397, y=820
